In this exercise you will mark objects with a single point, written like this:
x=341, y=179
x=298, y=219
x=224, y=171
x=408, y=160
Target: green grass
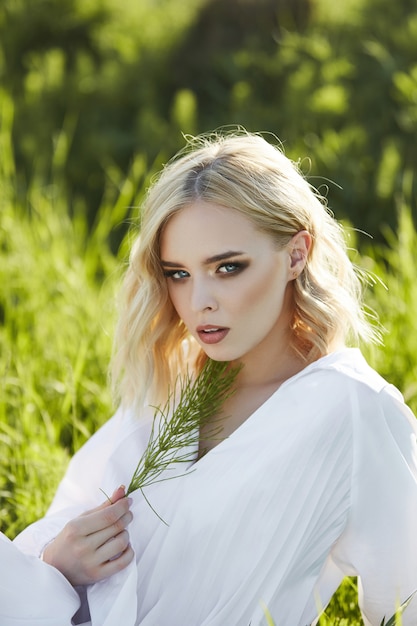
x=57, y=286
x=57, y=295
x=55, y=341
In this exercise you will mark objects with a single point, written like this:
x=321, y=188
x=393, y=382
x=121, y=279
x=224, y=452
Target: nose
x=203, y=297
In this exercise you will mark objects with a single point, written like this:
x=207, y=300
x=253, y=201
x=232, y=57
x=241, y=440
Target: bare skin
x=94, y=545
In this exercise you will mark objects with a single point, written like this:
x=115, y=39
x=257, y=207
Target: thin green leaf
x=173, y=437
x=393, y=620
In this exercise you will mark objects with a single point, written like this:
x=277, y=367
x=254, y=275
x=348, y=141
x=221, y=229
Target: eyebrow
x=211, y=259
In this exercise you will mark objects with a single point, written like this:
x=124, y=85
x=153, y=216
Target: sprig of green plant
x=395, y=620
x=175, y=432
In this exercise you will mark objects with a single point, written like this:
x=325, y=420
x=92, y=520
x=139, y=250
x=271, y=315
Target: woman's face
x=228, y=281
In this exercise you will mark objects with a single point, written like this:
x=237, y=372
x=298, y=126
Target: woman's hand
x=94, y=545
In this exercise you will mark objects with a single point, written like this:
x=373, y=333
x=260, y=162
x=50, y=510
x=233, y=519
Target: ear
x=299, y=248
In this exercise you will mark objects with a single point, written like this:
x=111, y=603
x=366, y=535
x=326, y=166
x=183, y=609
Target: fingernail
x=123, y=487
x=130, y=501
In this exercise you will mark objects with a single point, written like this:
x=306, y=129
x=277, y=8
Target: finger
x=102, y=518
x=101, y=537
x=113, y=548
x=116, y=564
x=93, y=569
x=117, y=494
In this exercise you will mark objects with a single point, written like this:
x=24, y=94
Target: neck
x=272, y=371
x=273, y=361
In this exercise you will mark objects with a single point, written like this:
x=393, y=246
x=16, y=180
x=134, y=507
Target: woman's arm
x=380, y=541
x=31, y=592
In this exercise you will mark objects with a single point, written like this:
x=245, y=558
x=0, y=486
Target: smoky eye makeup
x=232, y=267
x=224, y=264
x=176, y=274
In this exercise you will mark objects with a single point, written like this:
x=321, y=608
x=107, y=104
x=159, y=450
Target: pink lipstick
x=211, y=334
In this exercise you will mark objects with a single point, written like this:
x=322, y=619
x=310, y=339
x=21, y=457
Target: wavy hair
x=245, y=173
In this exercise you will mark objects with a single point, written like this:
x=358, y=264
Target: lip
x=211, y=334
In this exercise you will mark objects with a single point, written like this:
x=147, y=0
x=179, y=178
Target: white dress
x=320, y=482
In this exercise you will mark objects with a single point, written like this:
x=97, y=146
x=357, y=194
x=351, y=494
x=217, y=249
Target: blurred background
x=96, y=84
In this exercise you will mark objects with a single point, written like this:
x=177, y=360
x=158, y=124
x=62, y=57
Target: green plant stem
x=175, y=432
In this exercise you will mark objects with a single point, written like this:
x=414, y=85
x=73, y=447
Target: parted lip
x=209, y=327
x=211, y=334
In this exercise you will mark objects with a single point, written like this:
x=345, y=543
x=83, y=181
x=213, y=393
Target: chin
x=217, y=357
x=220, y=355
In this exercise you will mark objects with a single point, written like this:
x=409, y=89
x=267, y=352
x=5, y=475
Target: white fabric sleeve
x=380, y=541
x=33, y=593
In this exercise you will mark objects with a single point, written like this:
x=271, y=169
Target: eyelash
x=238, y=267
x=171, y=274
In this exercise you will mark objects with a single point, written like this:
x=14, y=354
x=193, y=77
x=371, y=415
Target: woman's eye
x=176, y=274
x=230, y=268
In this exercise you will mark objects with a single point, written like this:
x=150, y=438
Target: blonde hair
x=245, y=173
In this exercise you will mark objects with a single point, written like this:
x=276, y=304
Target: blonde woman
x=313, y=476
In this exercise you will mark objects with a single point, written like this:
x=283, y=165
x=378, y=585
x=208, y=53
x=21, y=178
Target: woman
x=313, y=475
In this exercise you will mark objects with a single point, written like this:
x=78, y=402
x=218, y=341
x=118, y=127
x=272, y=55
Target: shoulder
x=348, y=369
x=349, y=364
x=333, y=378
x=120, y=426
x=343, y=381
x=376, y=406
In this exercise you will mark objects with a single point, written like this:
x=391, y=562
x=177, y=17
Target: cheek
x=265, y=295
x=177, y=299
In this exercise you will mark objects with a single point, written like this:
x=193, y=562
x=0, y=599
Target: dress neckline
x=320, y=363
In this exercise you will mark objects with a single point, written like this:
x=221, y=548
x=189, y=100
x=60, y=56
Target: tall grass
x=55, y=343
x=57, y=284
x=394, y=297
x=57, y=308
